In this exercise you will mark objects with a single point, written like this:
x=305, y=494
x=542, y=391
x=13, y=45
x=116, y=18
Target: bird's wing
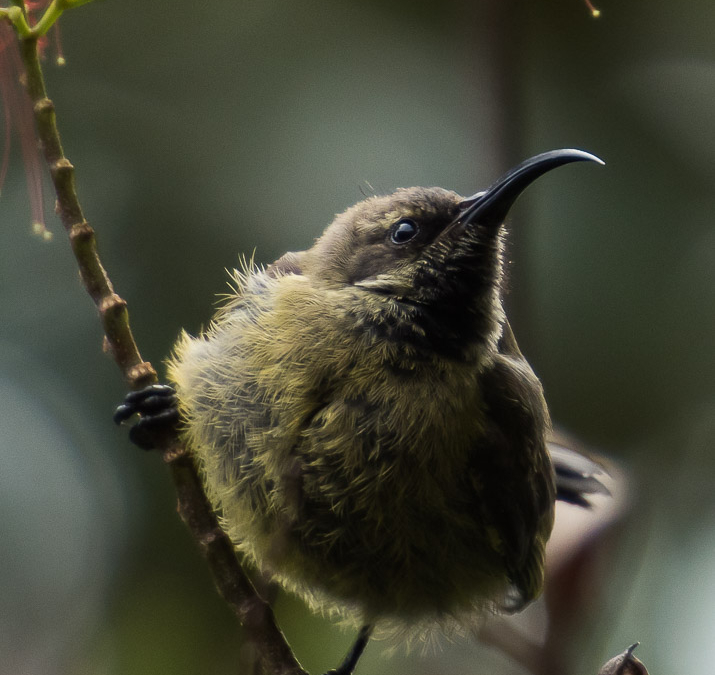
x=517, y=486
x=507, y=343
x=577, y=476
x=288, y=263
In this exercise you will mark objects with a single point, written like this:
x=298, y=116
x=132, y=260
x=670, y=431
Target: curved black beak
x=491, y=206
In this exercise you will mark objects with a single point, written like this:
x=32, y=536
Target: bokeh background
x=201, y=131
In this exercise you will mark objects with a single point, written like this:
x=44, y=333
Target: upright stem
x=112, y=308
x=254, y=614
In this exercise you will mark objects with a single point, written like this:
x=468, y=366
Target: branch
x=234, y=585
x=17, y=16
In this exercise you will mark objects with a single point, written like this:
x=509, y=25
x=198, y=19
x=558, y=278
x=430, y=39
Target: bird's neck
x=458, y=327
x=451, y=306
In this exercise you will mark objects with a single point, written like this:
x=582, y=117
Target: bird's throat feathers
x=440, y=309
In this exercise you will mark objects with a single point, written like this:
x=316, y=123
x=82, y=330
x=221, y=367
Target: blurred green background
x=204, y=130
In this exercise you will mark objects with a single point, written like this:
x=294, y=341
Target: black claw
x=163, y=418
x=156, y=405
x=123, y=413
x=151, y=390
x=151, y=399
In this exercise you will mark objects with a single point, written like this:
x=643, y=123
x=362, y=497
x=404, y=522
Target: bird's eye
x=403, y=231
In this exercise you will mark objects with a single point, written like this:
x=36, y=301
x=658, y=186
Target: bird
x=365, y=423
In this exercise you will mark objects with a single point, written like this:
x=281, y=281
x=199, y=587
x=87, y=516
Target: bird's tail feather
x=577, y=476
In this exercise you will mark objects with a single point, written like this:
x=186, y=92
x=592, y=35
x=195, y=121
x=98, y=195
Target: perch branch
x=254, y=614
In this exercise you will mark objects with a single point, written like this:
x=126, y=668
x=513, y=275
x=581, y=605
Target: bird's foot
x=348, y=665
x=159, y=414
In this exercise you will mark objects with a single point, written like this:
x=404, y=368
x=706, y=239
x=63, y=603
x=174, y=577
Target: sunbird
x=366, y=425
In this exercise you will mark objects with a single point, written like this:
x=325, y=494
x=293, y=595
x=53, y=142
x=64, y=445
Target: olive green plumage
x=367, y=427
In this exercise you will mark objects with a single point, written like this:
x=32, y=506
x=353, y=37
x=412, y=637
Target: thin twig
x=254, y=614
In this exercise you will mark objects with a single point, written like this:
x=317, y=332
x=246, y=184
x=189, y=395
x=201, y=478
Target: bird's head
x=427, y=254
x=423, y=244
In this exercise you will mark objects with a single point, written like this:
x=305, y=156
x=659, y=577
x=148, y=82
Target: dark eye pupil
x=403, y=231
